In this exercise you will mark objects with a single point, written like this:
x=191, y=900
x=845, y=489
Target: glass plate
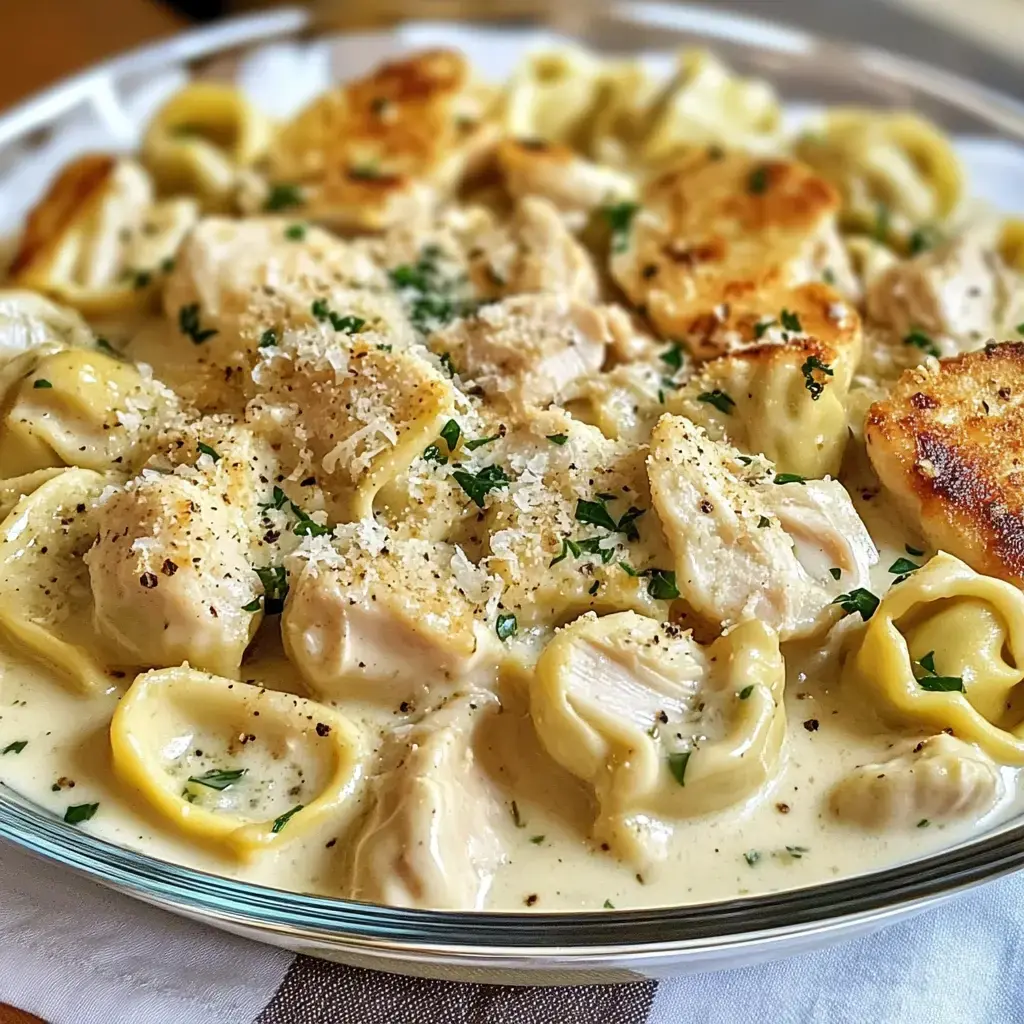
x=104, y=108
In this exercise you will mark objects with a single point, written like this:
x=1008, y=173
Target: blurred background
x=43, y=40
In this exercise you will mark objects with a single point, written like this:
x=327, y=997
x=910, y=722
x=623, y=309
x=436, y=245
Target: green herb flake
x=516, y=817
x=719, y=399
x=790, y=321
x=219, y=778
x=205, y=449
x=432, y=453
x=662, y=584
x=922, y=341
x=816, y=387
x=628, y=569
x=450, y=434
x=278, y=501
x=673, y=357
x=275, y=588
x=789, y=478
x=677, y=765
x=479, y=442
x=15, y=748
x=295, y=232
x=752, y=857
x=797, y=852
x=506, y=626
x=477, y=486
x=902, y=566
x=189, y=325
x=932, y=681
x=923, y=238
x=536, y=840
x=104, y=346
x=620, y=219
x=923, y=823
x=77, y=813
x=858, y=600
x=828, y=275
x=41, y=383
x=745, y=693
x=268, y=339
x=763, y=522
x=608, y=905
x=558, y=439
x=282, y=197
x=757, y=182
x=279, y=823
x=253, y=606
x=595, y=513
x=761, y=327
x=835, y=573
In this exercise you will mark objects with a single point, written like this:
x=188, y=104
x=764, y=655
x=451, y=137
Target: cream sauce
x=783, y=838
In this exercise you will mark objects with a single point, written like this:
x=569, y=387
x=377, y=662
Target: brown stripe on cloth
x=318, y=992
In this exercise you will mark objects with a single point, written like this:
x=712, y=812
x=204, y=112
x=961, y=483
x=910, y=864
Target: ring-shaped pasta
x=158, y=702
x=945, y=649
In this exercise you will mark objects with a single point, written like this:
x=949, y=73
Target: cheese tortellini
x=944, y=650
x=231, y=763
x=659, y=726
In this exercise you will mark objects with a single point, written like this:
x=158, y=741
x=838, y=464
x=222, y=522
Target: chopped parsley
x=506, y=626
x=923, y=238
x=347, y=324
x=188, y=324
x=479, y=442
x=558, y=439
x=15, y=748
x=295, y=232
x=789, y=478
x=757, y=182
x=790, y=321
x=433, y=454
x=536, y=840
x=628, y=569
x=917, y=553
x=752, y=857
x=282, y=197
x=1020, y=328
x=620, y=219
x=219, y=778
x=104, y=346
x=431, y=298
x=677, y=765
x=923, y=823
x=931, y=680
x=447, y=365
x=858, y=600
x=595, y=513
x=828, y=275
x=205, y=449
x=252, y=606
x=279, y=500
x=662, y=584
x=761, y=327
x=608, y=905
x=450, y=434
x=673, y=357
x=922, y=341
x=835, y=573
x=77, y=813
x=903, y=566
x=268, y=338
x=719, y=399
x=763, y=522
x=516, y=818
x=279, y=823
x=479, y=485
x=815, y=386
x=275, y=588
x=41, y=383
x=307, y=526
x=746, y=692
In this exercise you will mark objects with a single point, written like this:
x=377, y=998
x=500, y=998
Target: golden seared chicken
x=780, y=388
x=171, y=570
x=378, y=617
x=374, y=151
x=552, y=171
x=751, y=543
x=947, y=443
x=717, y=229
x=950, y=299
x=526, y=352
x=942, y=779
x=432, y=837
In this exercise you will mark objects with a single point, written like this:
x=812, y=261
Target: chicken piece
x=947, y=444
x=948, y=300
x=171, y=571
x=98, y=241
x=941, y=780
x=533, y=252
x=552, y=171
x=368, y=154
x=661, y=727
x=431, y=839
x=781, y=390
x=749, y=543
x=376, y=617
x=348, y=411
x=525, y=352
x=624, y=403
x=716, y=230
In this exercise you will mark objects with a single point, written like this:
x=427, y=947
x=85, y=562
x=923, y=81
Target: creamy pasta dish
x=576, y=493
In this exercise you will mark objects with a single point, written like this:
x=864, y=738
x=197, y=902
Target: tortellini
x=45, y=605
x=896, y=171
x=431, y=838
x=200, y=139
x=373, y=152
x=81, y=407
x=945, y=650
x=942, y=779
x=232, y=763
x=98, y=241
x=30, y=323
x=659, y=726
x=377, y=617
x=749, y=543
x=171, y=571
